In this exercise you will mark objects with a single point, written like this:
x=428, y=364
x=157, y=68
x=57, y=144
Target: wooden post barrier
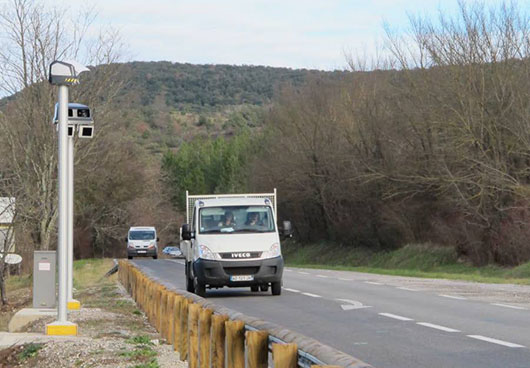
x=158, y=298
x=257, y=349
x=163, y=313
x=218, y=334
x=193, y=333
x=177, y=301
x=170, y=317
x=205, y=324
x=183, y=346
x=285, y=355
x=235, y=344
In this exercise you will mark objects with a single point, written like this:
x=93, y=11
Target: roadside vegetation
x=414, y=260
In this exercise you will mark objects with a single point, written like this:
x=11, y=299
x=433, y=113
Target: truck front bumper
x=218, y=273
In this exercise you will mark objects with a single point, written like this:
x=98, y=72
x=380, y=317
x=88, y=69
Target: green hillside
x=164, y=103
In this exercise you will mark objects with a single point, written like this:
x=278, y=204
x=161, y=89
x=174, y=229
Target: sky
x=313, y=34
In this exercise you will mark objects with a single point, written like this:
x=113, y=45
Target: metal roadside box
x=44, y=285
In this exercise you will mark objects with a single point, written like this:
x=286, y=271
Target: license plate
x=242, y=278
x=142, y=251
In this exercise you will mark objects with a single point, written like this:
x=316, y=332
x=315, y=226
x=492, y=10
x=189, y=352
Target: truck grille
x=241, y=270
x=240, y=255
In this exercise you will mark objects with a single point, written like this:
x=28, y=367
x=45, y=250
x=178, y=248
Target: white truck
x=233, y=240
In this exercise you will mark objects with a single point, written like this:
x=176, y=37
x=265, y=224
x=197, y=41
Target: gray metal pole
x=70, y=220
x=63, y=199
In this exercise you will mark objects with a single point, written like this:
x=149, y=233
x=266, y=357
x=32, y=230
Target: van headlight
x=206, y=253
x=274, y=251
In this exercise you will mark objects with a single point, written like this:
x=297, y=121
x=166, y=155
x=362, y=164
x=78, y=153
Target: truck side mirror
x=186, y=233
x=287, y=229
x=126, y=240
x=157, y=239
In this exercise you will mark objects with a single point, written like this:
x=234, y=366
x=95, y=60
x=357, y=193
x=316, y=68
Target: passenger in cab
x=252, y=219
x=228, y=220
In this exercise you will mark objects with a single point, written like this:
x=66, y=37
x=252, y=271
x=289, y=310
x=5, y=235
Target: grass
x=425, y=260
x=30, y=351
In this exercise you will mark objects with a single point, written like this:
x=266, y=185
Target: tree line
x=431, y=145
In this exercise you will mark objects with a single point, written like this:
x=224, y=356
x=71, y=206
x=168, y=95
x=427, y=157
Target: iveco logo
x=240, y=255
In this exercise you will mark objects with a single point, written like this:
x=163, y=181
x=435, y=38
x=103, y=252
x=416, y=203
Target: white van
x=142, y=242
x=233, y=240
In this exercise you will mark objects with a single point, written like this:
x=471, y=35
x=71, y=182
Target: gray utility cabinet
x=44, y=289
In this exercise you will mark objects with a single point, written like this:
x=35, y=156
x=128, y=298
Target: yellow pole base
x=73, y=305
x=61, y=329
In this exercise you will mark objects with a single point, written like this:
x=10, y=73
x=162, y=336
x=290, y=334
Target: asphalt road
x=386, y=325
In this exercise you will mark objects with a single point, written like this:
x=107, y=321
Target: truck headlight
x=274, y=251
x=206, y=253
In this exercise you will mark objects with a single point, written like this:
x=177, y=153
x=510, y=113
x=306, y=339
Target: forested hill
x=165, y=103
x=210, y=85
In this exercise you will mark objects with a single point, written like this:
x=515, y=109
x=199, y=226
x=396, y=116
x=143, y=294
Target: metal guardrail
x=305, y=360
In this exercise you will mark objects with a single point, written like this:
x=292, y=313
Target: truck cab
x=232, y=241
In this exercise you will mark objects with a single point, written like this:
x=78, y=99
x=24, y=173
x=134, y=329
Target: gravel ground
x=105, y=340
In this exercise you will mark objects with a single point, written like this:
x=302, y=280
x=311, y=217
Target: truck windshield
x=236, y=219
x=141, y=235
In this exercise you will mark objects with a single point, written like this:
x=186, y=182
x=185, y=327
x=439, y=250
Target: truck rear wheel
x=264, y=287
x=276, y=288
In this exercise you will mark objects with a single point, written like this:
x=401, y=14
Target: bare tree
x=35, y=36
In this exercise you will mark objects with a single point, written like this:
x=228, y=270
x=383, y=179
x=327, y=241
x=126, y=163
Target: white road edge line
x=312, y=295
x=395, y=316
x=508, y=306
x=406, y=288
x=303, y=273
x=438, y=327
x=453, y=297
x=291, y=290
x=288, y=270
x=495, y=341
x=180, y=262
x=323, y=276
x=373, y=283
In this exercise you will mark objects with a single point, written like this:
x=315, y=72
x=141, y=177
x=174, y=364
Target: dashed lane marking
x=373, y=283
x=438, y=327
x=288, y=270
x=291, y=290
x=312, y=295
x=508, y=306
x=340, y=278
x=323, y=276
x=406, y=288
x=453, y=297
x=495, y=341
x=303, y=273
x=395, y=316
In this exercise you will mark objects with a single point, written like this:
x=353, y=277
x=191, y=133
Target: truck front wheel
x=200, y=289
x=276, y=288
x=189, y=281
